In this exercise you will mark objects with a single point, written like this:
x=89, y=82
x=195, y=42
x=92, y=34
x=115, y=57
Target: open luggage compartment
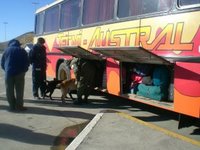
x=144, y=76
x=151, y=83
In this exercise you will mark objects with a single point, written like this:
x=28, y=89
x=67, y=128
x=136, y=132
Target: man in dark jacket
x=37, y=58
x=15, y=63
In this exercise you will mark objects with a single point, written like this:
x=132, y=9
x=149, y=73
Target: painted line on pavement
x=77, y=141
x=155, y=127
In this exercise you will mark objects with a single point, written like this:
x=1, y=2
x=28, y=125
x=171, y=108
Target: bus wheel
x=63, y=72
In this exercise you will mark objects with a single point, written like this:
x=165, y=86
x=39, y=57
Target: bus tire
x=63, y=72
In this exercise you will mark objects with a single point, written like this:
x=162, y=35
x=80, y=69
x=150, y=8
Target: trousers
x=15, y=90
x=38, y=79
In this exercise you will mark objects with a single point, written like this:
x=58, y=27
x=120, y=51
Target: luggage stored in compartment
x=150, y=81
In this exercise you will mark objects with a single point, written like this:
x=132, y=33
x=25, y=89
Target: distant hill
x=24, y=38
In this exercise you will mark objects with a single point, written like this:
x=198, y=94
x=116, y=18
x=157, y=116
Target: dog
x=67, y=87
x=50, y=87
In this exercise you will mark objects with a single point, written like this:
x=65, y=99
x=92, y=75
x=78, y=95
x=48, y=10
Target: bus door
x=97, y=60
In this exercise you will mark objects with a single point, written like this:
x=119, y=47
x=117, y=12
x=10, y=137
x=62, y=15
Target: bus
x=145, y=50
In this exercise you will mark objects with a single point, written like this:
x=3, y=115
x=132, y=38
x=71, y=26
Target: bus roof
x=48, y=6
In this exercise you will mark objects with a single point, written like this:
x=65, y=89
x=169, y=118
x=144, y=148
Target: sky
x=17, y=17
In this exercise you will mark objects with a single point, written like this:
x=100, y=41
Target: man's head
x=41, y=40
x=14, y=42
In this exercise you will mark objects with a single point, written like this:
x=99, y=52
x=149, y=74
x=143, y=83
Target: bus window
x=165, y=5
x=128, y=8
x=97, y=11
x=188, y=3
x=39, y=20
x=70, y=12
x=51, y=22
x=149, y=6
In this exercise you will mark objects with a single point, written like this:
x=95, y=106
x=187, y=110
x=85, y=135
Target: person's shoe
x=85, y=100
x=12, y=109
x=37, y=98
x=21, y=108
x=43, y=96
x=63, y=101
x=77, y=102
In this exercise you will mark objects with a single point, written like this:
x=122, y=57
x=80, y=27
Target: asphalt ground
x=116, y=130
x=49, y=124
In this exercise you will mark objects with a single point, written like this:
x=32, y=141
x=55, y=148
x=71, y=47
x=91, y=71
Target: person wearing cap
x=37, y=56
x=15, y=63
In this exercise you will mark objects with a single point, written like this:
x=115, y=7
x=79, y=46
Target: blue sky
x=19, y=16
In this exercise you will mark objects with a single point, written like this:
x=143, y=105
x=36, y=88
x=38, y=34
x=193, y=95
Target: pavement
x=48, y=125
x=113, y=130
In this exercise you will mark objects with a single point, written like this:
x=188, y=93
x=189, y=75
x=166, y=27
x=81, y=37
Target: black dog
x=50, y=87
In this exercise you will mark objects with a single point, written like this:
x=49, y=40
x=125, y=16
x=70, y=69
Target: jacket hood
x=14, y=43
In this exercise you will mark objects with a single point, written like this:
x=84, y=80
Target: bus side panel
x=187, y=88
x=51, y=59
x=51, y=63
x=113, y=76
x=51, y=66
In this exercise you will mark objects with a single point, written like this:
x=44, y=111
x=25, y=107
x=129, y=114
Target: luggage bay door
x=131, y=54
x=79, y=52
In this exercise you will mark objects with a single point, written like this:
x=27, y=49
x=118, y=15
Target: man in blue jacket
x=37, y=57
x=15, y=63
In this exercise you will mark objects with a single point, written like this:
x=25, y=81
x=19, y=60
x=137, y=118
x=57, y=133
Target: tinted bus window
x=51, y=22
x=39, y=21
x=97, y=11
x=128, y=8
x=188, y=2
x=70, y=12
